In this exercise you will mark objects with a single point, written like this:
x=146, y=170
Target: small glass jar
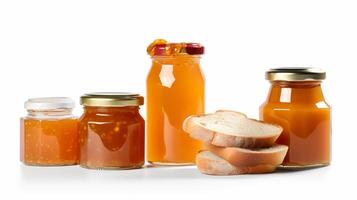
x=296, y=103
x=112, y=131
x=49, y=133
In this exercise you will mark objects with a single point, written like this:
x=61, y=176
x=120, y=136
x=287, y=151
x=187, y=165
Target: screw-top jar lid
x=295, y=74
x=49, y=103
x=112, y=99
x=161, y=47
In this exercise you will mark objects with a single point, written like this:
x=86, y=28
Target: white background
x=69, y=47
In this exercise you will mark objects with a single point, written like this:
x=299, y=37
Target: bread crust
x=220, y=167
x=250, y=157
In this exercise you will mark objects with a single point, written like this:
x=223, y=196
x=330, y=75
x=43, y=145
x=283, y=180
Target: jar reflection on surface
x=112, y=137
x=300, y=108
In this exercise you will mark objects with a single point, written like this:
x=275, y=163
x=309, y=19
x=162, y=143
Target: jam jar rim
x=295, y=74
x=111, y=99
x=49, y=103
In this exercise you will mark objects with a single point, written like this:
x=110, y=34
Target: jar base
x=49, y=165
x=301, y=167
x=170, y=163
x=111, y=167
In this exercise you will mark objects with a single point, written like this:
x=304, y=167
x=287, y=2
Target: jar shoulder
x=185, y=70
x=50, y=118
x=128, y=117
x=319, y=105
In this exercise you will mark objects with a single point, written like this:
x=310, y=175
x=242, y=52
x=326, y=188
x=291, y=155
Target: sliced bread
x=240, y=157
x=209, y=163
x=231, y=129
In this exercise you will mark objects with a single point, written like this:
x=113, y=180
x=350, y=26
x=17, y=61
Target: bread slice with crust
x=231, y=129
x=234, y=161
x=241, y=157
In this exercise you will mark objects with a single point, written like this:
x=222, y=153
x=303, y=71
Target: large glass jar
x=175, y=90
x=296, y=103
x=112, y=131
x=49, y=132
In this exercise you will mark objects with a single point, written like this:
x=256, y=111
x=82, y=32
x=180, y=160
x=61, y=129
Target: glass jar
x=296, y=103
x=175, y=90
x=111, y=131
x=49, y=132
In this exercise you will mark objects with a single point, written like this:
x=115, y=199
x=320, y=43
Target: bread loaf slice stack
x=235, y=144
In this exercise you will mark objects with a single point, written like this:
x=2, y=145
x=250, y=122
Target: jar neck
x=49, y=114
x=106, y=110
x=295, y=92
x=176, y=58
x=296, y=84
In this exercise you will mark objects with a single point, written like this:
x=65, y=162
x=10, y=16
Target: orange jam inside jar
x=175, y=90
x=112, y=131
x=296, y=103
x=49, y=133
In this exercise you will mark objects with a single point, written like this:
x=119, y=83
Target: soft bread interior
x=236, y=124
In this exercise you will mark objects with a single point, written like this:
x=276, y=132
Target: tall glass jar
x=175, y=90
x=49, y=132
x=111, y=131
x=296, y=102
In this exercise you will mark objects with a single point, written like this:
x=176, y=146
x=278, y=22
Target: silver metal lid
x=49, y=103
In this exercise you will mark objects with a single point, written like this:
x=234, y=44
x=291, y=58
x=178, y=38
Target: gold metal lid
x=295, y=74
x=111, y=99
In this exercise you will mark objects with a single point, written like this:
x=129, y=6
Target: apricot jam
x=111, y=131
x=49, y=133
x=175, y=90
x=296, y=103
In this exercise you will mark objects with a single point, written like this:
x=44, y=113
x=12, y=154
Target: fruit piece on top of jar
x=161, y=47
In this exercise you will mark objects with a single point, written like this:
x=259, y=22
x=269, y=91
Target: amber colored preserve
x=49, y=134
x=296, y=103
x=175, y=90
x=112, y=131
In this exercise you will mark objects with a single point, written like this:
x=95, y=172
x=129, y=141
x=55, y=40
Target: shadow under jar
x=296, y=102
x=111, y=131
